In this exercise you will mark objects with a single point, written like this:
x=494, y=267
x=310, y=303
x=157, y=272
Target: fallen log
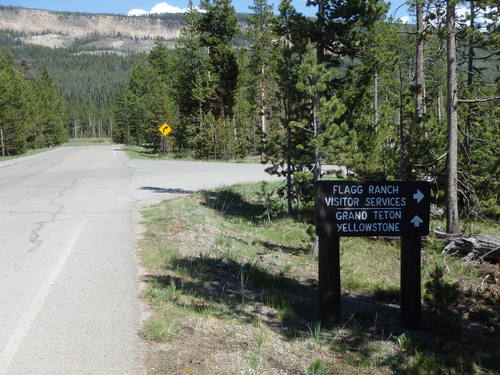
x=476, y=247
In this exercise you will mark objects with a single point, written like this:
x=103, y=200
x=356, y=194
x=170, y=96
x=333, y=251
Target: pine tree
x=50, y=116
x=143, y=106
x=191, y=72
x=217, y=26
x=261, y=54
x=12, y=107
x=287, y=147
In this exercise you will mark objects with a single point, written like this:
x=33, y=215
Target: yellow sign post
x=165, y=129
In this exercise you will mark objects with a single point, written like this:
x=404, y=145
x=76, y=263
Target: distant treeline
x=88, y=82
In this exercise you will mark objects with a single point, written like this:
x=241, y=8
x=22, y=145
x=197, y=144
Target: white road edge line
x=10, y=350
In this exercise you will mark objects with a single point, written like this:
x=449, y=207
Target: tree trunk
x=439, y=105
x=201, y=115
x=92, y=128
x=420, y=74
x=320, y=54
x=402, y=140
x=470, y=80
x=452, y=224
x=215, y=144
x=75, y=133
x=1, y=142
x=317, y=159
x=317, y=131
x=286, y=105
x=99, y=129
x=289, y=167
x=263, y=99
x=375, y=102
x=470, y=62
x=263, y=118
x=320, y=48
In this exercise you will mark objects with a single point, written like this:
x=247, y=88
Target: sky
x=140, y=6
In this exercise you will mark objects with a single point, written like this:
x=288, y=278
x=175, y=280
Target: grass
x=70, y=143
x=138, y=152
x=28, y=153
x=233, y=292
x=88, y=142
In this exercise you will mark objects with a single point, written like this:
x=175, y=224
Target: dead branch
x=481, y=246
x=434, y=162
x=479, y=100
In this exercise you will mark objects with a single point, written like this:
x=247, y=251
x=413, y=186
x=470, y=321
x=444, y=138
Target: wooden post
x=329, y=281
x=410, y=282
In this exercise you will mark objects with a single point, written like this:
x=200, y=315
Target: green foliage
x=32, y=112
x=318, y=367
x=13, y=107
x=217, y=26
x=143, y=105
x=439, y=294
x=87, y=79
x=268, y=199
x=49, y=119
x=301, y=92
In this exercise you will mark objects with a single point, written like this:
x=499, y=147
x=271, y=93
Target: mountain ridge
x=116, y=33
x=56, y=29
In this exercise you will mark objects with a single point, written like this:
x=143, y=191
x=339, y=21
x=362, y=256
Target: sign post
x=410, y=282
x=366, y=208
x=329, y=281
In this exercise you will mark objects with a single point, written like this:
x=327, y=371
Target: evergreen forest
x=350, y=87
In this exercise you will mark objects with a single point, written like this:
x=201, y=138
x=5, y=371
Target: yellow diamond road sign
x=165, y=129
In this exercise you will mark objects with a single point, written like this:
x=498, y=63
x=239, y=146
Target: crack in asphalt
x=39, y=226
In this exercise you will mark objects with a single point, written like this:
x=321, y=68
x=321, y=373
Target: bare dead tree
x=420, y=110
x=452, y=223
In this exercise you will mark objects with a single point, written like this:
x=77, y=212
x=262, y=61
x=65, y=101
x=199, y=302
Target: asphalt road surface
x=68, y=271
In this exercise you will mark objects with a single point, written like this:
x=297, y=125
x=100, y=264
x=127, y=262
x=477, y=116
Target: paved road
x=68, y=273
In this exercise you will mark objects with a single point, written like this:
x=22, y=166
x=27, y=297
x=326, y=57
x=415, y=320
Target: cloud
x=405, y=19
x=163, y=7
x=481, y=19
x=462, y=15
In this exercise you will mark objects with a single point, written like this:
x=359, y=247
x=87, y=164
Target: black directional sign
x=364, y=208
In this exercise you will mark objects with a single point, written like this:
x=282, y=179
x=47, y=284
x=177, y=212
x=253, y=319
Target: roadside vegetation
x=139, y=152
x=28, y=153
x=88, y=141
x=232, y=286
x=349, y=87
x=70, y=143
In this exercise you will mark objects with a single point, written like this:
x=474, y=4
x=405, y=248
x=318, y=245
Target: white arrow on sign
x=418, y=196
x=416, y=221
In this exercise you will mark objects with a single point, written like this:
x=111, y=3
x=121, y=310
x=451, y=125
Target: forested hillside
x=350, y=87
x=89, y=56
x=71, y=25
x=87, y=81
